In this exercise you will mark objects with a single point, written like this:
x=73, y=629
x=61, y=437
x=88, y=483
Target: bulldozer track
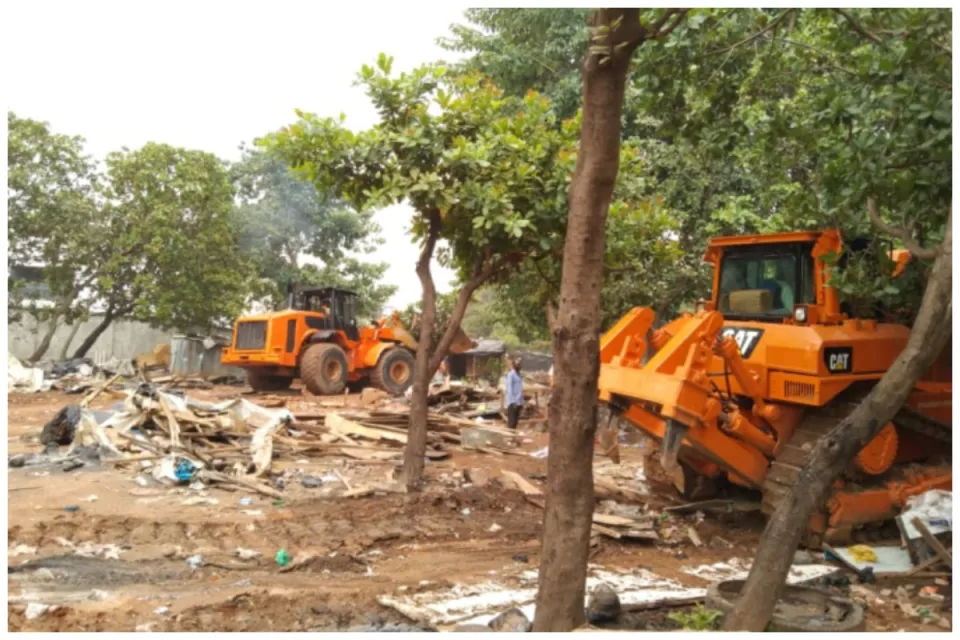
x=789, y=462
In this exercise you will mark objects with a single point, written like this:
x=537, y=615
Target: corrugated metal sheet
x=189, y=357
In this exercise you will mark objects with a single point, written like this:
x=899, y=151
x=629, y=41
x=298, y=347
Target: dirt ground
x=121, y=560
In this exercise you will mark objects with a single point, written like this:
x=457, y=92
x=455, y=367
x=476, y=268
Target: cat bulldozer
x=742, y=389
x=317, y=340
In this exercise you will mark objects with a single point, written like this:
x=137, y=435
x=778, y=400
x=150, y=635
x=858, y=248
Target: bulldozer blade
x=670, y=447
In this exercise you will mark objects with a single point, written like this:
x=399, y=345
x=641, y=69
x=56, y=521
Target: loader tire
x=262, y=381
x=394, y=371
x=324, y=369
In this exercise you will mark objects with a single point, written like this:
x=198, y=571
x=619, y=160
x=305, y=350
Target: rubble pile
x=180, y=440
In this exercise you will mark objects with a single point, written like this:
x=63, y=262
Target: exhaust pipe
x=289, y=294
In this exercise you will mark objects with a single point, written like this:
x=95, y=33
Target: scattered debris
x=70, y=465
x=21, y=550
x=511, y=621
x=798, y=608
x=247, y=554
x=23, y=379
x=603, y=604
x=860, y=558
x=311, y=482
x=36, y=610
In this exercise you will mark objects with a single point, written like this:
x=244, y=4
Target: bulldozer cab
x=338, y=306
x=764, y=281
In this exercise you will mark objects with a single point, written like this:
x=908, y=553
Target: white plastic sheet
x=21, y=379
x=934, y=508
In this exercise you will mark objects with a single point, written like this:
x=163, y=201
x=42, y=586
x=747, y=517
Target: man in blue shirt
x=514, y=394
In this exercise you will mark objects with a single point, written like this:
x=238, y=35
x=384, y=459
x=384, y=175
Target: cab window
x=765, y=281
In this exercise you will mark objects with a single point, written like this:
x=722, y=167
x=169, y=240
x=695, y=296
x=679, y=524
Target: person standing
x=514, y=395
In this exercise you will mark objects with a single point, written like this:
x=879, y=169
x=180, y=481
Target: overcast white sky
x=209, y=75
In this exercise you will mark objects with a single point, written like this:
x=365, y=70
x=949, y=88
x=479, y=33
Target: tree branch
x=826, y=54
x=750, y=39
x=858, y=27
x=905, y=235
x=484, y=271
x=549, y=282
x=678, y=18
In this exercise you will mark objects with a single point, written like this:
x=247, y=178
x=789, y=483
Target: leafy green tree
x=479, y=169
x=50, y=199
x=680, y=192
x=285, y=219
x=826, y=109
x=524, y=49
x=169, y=251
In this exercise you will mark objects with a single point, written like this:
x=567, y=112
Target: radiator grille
x=251, y=335
x=798, y=389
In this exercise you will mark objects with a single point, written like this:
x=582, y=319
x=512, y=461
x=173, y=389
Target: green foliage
x=283, y=218
x=50, y=197
x=169, y=253
x=823, y=109
x=751, y=121
x=699, y=618
x=523, y=49
x=486, y=174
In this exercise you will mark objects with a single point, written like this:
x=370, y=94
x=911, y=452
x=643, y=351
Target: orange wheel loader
x=317, y=340
x=742, y=390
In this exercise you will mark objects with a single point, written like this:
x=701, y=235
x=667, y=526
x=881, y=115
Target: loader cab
x=764, y=281
x=338, y=306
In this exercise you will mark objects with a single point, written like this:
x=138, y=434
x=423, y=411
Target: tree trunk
x=931, y=331
x=576, y=331
x=551, y=311
x=47, y=337
x=417, y=432
x=89, y=341
x=66, y=344
x=428, y=362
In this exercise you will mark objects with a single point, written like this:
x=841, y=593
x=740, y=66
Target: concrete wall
x=123, y=338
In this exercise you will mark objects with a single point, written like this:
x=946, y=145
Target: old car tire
x=394, y=371
x=721, y=596
x=323, y=369
x=262, y=381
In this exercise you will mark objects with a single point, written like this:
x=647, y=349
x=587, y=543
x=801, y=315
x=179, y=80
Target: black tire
x=394, y=371
x=722, y=596
x=324, y=369
x=262, y=381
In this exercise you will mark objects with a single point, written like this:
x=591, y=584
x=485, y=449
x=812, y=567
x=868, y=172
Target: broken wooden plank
x=640, y=530
x=522, y=483
x=740, y=506
x=360, y=492
x=616, y=521
x=96, y=392
x=338, y=423
x=605, y=487
x=610, y=533
x=935, y=544
x=255, y=486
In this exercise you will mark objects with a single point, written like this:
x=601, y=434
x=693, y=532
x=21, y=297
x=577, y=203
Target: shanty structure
x=532, y=360
x=486, y=360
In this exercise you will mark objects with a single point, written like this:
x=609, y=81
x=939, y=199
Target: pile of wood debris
x=181, y=440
